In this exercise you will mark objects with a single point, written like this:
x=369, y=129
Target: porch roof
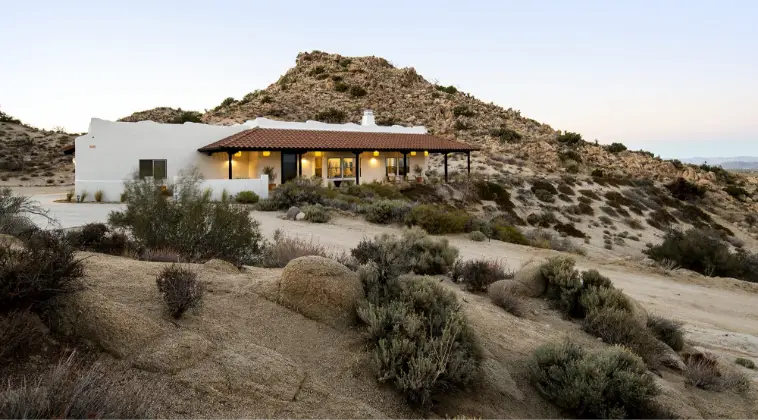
x=287, y=139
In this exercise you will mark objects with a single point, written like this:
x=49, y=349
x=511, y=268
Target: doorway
x=289, y=166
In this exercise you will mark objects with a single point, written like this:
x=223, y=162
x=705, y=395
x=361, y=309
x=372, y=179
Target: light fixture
x=413, y=153
x=238, y=154
x=303, y=161
x=376, y=153
x=318, y=154
x=426, y=153
x=266, y=153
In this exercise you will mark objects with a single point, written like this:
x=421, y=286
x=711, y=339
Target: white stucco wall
x=234, y=186
x=110, y=152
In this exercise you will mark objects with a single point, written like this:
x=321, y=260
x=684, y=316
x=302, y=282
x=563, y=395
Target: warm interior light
x=413, y=153
x=318, y=154
x=376, y=153
x=426, y=153
x=238, y=154
x=267, y=153
x=303, y=161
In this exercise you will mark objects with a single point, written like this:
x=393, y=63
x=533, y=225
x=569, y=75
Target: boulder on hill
x=320, y=289
x=533, y=283
x=292, y=213
x=222, y=266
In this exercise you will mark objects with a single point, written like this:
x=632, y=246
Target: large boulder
x=222, y=266
x=533, y=283
x=175, y=352
x=321, y=289
x=97, y=320
x=292, y=213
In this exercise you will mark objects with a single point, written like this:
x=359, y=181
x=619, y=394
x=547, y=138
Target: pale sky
x=678, y=78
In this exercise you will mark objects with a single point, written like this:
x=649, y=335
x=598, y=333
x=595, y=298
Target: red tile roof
x=274, y=139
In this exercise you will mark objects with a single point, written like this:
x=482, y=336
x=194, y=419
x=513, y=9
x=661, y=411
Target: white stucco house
x=238, y=157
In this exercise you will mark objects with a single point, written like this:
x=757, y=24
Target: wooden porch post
x=445, y=166
x=300, y=165
x=230, y=153
x=357, y=167
x=405, y=165
x=468, y=162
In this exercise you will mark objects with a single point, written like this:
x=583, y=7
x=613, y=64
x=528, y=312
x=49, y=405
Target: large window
x=340, y=167
x=155, y=168
x=319, y=167
x=395, y=166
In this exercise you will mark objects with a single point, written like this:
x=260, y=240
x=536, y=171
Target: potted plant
x=269, y=170
x=418, y=171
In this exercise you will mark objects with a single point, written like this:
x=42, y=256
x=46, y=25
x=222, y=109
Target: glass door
x=289, y=166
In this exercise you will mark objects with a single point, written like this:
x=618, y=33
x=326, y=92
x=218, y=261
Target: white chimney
x=368, y=118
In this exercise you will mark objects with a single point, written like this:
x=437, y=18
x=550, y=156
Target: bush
x=267, y=205
x=20, y=332
x=618, y=326
x=572, y=139
x=246, y=197
x=611, y=383
x=478, y=274
x=71, y=391
x=15, y=211
x=462, y=111
x=506, y=135
x=298, y=192
x=704, y=252
x=8, y=119
x=507, y=233
x=745, y=362
x=386, y=211
x=615, y=148
x=332, y=116
x=494, y=192
x=413, y=251
x=99, y=196
x=569, y=230
x=589, y=194
x=437, y=219
x=161, y=255
x=286, y=248
x=667, y=330
x=180, y=289
x=357, y=91
x=477, y=236
x=509, y=299
x=44, y=269
x=539, y=238
x=96, y=237
x=423, y=344
x=704, y=371
x=190, y=223
x=69, y=196
x=317, y=214
x=447, y=89
x=564, y=283
x=738, y=193
x=685, y=190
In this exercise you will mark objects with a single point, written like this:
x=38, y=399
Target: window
x=395, y=166
x=155, y=168
x=319, y=167
x=340, y=167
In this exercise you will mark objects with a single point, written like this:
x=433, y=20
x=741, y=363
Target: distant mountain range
x=736, y=162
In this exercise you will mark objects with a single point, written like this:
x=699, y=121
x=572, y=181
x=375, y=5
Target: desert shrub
x=506, y=135
x=190, y=223
x=618, y=326
x=615, y=148
x=545, y=196
x=571, y=139
x=685, y=190
x=15, y=211
x=564, y=283
x=596, y=298
x=565, y=189
x=609, y=211
x=331, y=115
x=437, y=219
x=186, y=116
x=507, y=233
x=246, y=197
x=285, y=248
x=589, y=194
x=70, y=390
x=539, y=238
x=8, y=119
x=704, y=252
x=413, y=251
x=225, y=103
x=69, y=196
x=667, y=330
x=447, y=89
x=661, y=219
x=544, y=219
x=745, y=362
x=99, y=196
x=462, y=111
x=477, y=236
x=569, y=229
x=738, y=193
x=509, y=299
x=33, y=276
x=633, y=223
x=494, y=192
x=610, y=383
x=267, y=205
x=357, y=91
x=297, y=192
x=476, y=275
x=317, y=214
x=96, y=237
x=180, y=289
x=423, y=344
x=705, y=371
x=341, y=86
x=540, y=184
x=160, y=255
x=386, y=211
x=20, y=331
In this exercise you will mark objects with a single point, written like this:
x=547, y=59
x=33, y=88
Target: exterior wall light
x=318, y=154
x=266, y=153
x=413, y=153
x=238, y=154
x=426, y=153
x=376, y=153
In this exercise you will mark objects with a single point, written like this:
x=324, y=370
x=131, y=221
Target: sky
x=678, y=78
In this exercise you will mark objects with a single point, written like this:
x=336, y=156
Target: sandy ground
x=720, y=314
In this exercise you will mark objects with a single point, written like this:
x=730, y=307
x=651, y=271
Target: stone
x=531, y=279
x=173, y=353
x=300, y=216
x=222, y=266
x=292, y=213
x=320, y=289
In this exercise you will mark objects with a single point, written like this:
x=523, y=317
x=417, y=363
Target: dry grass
x=706, y=372
x=509, y=299
x=286, y=248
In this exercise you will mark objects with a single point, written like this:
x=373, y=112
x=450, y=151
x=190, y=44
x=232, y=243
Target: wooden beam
x=357, y=167
x=230, y=153
x=468, y=162
x=445, y=154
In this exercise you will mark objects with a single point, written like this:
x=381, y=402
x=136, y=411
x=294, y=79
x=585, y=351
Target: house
x=252, y=155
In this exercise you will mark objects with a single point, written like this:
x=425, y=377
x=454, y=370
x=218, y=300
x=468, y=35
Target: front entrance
x=289, y=166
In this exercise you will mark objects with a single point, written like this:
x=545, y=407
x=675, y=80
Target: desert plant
x=477, y=236
x=738, y=193
x=705, y=371
x=569, y=138
x=685, y=190
x=478, y=274
x=508, y=298
x=70, y=390
x=618, y=326
x=224, y=196
x=246, y=197
x=341, y=86
x=357, y=91
x=332, y=115
x=413, y=251
x=15, y=211
x=270, y=172
x=69, y=195
x=745, y=362
x=667, y=330
x=161, y=255
x=386, y=211
x=317, y=214
x=447, y=89
x=99, y=196
x=283, y=249
x=539, y=238
x=610, y=383
x=180, y=289
x=267, y=205
x=190, y=224
x=437, y=219
x=506, y=135
x=83, y=196
x=31, y=277
x=507, y=233
x=20, y=331
x=297, y=192
x=96, y=237
x=615, y=148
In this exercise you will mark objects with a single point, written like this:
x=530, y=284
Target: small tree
x=572, y=139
